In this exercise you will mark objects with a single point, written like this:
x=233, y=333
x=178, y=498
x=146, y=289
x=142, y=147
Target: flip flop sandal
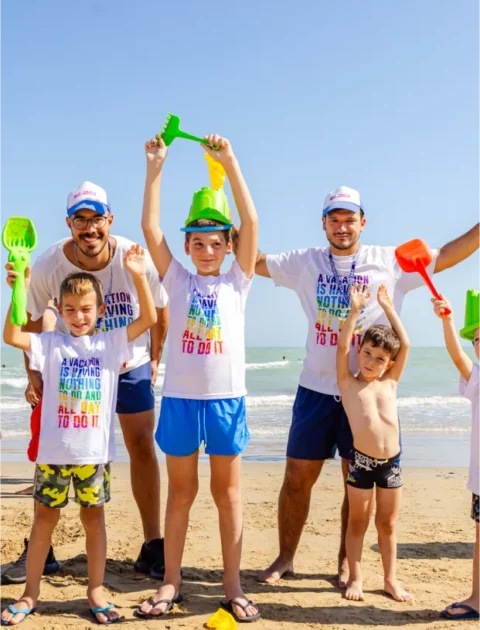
x=170, y=604
x=228, y=606
x=99, y=609
x=16, y=611
x=470, y=614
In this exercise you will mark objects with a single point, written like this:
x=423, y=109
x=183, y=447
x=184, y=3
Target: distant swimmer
x=283, y=359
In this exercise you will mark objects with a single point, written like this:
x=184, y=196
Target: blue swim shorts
x=135, y=390
x=184, y=424
x=319, y=427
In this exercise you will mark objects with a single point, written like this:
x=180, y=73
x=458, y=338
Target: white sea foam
x=19, y=383
x=435, y=401
x=13, y=404
x=266, y=366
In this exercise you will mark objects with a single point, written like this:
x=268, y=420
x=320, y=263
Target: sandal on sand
x=470, y=614
x=228, y=606
x=170, y=604
x=104, y=611
x=16, y=611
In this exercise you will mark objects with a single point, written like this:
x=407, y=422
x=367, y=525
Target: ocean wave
x=281, y=400
x=432, y=401
x=13, y=404
x=266, y=366
x=17, y=383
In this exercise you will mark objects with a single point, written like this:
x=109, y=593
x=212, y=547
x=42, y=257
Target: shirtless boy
x=369, y=399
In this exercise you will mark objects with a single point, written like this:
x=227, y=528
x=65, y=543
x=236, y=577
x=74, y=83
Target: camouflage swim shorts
x=91, y=483
x=475, y=507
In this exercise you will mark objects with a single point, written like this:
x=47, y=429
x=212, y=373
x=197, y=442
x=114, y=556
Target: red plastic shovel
x=416, y=256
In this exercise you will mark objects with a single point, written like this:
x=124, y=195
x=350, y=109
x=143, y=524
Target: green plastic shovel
x=19, y=238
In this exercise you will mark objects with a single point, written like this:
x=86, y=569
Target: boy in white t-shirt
x=204, y=388
x=469, y=384
x=80, y=377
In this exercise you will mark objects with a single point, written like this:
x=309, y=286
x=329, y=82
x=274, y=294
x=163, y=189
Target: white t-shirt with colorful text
x=324, y=298
x=121, y=299
x=80, y=380
x=470, y=390
x=206, y=336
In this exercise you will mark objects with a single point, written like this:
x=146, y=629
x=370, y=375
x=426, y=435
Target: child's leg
x=388, y=503
x=40, y=540
x=226, y=492
x=93, y=521
x=474, y=600
x=359, y=506
x=182, y=490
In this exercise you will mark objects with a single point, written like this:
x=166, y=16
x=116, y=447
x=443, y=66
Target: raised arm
x=135, y=264
x=457, y=250
x=395, y=372
x=359, y=297
x=246, y=248
x=12, y=334
x=463, y=362
x=157, y=245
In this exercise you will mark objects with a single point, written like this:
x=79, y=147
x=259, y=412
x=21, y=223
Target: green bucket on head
x=472, y=315
x=209, y=204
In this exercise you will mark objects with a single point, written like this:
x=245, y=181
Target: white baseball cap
x=342, y=198
x=88, y=196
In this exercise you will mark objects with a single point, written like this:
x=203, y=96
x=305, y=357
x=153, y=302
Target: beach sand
x=435, y=536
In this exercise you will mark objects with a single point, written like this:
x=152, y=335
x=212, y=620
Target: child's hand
x=384, y=299
x=359, y=297
x=156, y=152
x=439, y=307
x=12, y=274
x=224, y=153
x=135, y=261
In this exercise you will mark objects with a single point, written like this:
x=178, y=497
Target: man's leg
x=138, y=429
x=293, y=507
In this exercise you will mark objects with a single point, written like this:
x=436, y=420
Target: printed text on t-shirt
x=79, y=393
x=203, y=330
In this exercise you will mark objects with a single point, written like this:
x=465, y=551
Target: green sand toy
x=20, y=238
x=209, y=204
x=472, y=315
x=171, y=130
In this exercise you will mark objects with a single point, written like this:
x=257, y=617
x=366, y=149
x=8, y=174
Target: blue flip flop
x=470, y=614
x=99, y=609
x=16, y=611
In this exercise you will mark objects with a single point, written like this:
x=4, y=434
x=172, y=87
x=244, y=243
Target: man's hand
x=224, y=153
x=359, y=297
x=439, y=307
x=384, y=299
x=34, y=390
x=155, y=152
x=134, y=261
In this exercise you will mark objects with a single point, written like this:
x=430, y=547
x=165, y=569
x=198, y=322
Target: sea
x=435, y=420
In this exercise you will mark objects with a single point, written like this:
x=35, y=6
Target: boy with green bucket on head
x=204, y=389
x=469, y=384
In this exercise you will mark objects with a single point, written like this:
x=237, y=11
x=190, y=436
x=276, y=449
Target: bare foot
x=152, y=606
x=275, y=571
x=247, y=609
x=343, y=573
x=12, y=619
x=354, y=591
x=396, y=590
x=459, y=609
x=96, y=599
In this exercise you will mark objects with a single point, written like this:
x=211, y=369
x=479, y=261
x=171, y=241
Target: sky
x=380, y=96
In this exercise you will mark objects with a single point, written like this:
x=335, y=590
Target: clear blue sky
x=381, y=96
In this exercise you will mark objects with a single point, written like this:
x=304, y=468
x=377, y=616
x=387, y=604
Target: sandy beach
x=435, y=537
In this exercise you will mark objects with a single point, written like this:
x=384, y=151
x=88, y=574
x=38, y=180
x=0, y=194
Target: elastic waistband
x=376, y=459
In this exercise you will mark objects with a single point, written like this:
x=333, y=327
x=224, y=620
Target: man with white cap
x=93, y=249
x=322, y=277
